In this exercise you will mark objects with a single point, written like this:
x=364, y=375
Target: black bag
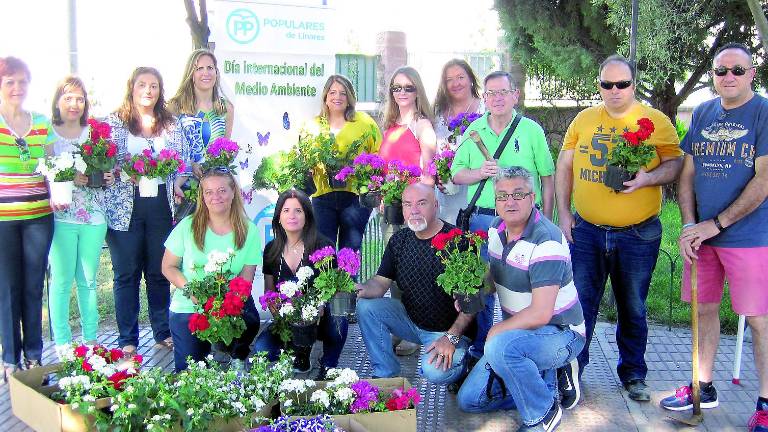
x=462, y=219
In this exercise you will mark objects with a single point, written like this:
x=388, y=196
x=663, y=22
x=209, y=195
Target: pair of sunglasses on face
x=737, y=70
x=621, y=85
x=397, y=88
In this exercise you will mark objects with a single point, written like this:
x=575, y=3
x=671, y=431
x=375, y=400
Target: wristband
x=716, y=220
x=689, y=224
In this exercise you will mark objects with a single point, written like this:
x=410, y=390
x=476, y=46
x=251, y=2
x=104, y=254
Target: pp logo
x=242, y=26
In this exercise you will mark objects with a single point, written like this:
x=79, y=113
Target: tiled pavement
x=604, y=406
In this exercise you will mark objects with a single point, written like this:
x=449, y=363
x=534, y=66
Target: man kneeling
x=426, y=314
x=543, y=326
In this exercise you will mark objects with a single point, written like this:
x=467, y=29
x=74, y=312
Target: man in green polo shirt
x=527, y=147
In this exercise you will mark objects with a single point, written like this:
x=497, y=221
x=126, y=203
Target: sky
x=115, y=36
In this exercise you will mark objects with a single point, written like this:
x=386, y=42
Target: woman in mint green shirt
x=218, y=224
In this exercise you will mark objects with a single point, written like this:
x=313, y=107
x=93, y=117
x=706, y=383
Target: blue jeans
x=380, y=318
x=341, y=218
x=185, y=344
x=484, y=317
x=628, y=257
x=23, y=261
x=332, y=331
x=527, y=362
x=140, y=251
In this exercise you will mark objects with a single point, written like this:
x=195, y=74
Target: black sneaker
x=550, y=422
x=638, y=390
x=682, y=400
x=568, y=384
x=321, y=373
x=301, y=364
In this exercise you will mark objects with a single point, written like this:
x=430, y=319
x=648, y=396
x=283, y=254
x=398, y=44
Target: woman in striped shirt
x=26, y=223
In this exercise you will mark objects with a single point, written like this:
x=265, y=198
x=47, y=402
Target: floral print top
x=87, y=203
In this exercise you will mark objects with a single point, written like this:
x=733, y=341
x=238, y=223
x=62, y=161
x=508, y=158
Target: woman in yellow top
x=338, y=212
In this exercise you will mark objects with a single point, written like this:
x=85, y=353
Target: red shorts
x=745, y=270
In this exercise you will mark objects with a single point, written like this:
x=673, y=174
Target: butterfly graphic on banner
x=249, y=148
x=263, y=139
x=286, y=121
x=244, y=164
x=247, y=196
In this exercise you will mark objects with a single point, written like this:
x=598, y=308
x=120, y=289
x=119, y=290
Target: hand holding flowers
x=632, y=152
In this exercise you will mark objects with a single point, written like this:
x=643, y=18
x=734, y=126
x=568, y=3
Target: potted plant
x=99, y=153
x=328, y=153
x=221, y=154
x=366, y=174
x=459, y=124
x=150, y=170
x=464, y=271
x=297, y=305
x=60, y=171
x=334, y=283
x=398, y=176
x=630, y=153
x=440, y=166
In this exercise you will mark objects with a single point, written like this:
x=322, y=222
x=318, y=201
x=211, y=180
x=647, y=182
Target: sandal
x=167, y=344
x=129, y=351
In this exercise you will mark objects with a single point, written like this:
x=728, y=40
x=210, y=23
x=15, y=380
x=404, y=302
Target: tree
x=760, y=21
x=564, y=41
x=198, y=27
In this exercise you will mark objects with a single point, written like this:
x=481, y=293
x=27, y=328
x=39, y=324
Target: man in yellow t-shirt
x=612, y=234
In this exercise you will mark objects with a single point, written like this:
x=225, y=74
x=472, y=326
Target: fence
x=372, y=249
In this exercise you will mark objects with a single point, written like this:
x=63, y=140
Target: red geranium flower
x=118, y=378
x=646, y=124
x=87, y=366
x=482, y=234
x=198, y=322
x=88, y=149
x=81, y=351
x=632, y=138
x=440, y=240
x=455, y=232
x=209, y=304
x=111, y=150
x=240, y=286
x=138, y=359
x=115, y=354
x=233, y=304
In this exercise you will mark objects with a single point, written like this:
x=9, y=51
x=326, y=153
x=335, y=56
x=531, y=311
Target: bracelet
x=689, y=224
x=716, y=220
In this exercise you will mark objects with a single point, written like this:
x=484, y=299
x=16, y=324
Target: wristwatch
x=452, y=338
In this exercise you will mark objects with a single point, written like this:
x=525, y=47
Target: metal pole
x=633, y=33
x=72, y=27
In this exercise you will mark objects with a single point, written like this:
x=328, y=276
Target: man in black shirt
x=425, y=314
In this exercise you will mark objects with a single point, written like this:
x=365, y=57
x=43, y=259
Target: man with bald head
x=425, y=314
x=614, y=235
x=723, y=193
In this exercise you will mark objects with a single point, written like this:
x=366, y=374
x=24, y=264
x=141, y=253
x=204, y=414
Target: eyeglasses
x=737, y=70
x=397, y=88
x=212, y=171
x=494, y=93
x=517, y=196
x=621, y=85
x=23, y=149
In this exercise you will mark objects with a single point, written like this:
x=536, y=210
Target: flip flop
x=167, y=344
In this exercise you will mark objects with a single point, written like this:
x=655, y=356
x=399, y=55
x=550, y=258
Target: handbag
x=462, y=219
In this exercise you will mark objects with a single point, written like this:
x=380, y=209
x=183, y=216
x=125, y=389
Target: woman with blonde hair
x=218, y=224
x=204, y=114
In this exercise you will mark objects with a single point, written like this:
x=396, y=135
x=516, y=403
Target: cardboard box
x=31, y=403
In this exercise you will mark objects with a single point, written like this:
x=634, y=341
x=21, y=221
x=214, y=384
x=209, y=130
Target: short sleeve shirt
x=724, y=145
x=527, y=147
x=181, y=242
x=592, y=135
x=413, y=264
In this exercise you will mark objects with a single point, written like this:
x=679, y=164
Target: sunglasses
x=738, y=70
x=397, y=88
x=517, y=196
x=23, y=149
x=494, y=93
x=621, y=85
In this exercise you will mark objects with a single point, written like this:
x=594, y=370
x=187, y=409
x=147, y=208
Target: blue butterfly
x=263, y=139
x=286, y=121
x=247, y=196
x=244, y=164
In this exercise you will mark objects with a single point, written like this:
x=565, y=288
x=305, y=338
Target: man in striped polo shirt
x=543, y=326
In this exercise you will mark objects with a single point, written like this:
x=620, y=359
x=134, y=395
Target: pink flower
x=319, y=254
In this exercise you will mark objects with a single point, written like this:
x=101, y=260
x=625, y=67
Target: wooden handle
x=480, y=145
x=695, y=387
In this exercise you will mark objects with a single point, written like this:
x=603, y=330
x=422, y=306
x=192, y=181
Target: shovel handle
x=695, y=387
x=480, y=144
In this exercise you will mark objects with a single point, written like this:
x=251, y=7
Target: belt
x=485, y=211
x=625, y=228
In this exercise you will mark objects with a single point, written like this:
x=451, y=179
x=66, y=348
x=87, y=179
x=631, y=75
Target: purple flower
x=461, y=122
x=413, y=170
x=432, y=168
x=344, y=173
x=372, y=160
x=320, y=423
x=365, y=396
x=349, y=261
x=319, y=254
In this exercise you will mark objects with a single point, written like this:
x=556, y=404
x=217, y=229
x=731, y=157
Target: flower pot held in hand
x=393, y=214
x=370, y=199
x=470, y=304
x=343, y=304
x=450, y=188
x=95, y=179
x=336, y=184
x=308, y=185
x=61, y=192
x=615, y=176
x=148, y=187
x=303, y=335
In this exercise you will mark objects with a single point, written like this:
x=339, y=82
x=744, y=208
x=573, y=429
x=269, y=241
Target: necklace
x=466, y=110
x=295, y=248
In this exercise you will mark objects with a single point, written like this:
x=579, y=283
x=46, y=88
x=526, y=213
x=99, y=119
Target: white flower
x=304, y=273
x=288, y=403
x=289, y=288
x=113, y=408
x=131, y=406
x=63, y=161
x=80, y=165
x=309, y=313
x=286, y=309
x=257, y=403
x=216, y=260
x=343, y=377
x=345, y=394
x=190, y=411
x=321, y=397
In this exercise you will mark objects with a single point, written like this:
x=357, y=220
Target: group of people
x=549, y=277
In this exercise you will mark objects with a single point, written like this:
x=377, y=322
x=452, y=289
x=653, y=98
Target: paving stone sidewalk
x=604, y=406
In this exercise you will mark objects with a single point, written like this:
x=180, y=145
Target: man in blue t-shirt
x=722, y=195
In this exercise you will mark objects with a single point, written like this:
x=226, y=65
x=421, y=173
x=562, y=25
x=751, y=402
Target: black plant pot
x=615, y=176
x=343, y=304
x=470, y=304
x=303, y=335
x=95, y=180
x=370, y=199
x=221, y=354
x=336, y=184
x=308, y=186
x=393, y=214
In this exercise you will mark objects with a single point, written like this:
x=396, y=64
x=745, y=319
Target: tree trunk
x=665, y=99
x=198, y=27
x=760, y=21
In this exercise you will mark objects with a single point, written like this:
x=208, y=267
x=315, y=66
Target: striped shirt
x=23, y=191
x=539, y=258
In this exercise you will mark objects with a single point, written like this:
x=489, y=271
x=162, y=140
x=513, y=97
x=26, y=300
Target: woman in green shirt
x=218, y=224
